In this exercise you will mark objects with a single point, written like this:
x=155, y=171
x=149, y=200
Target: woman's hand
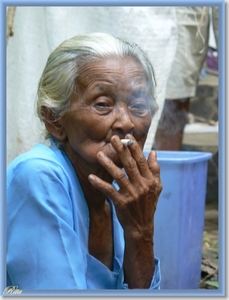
x=135, y=203
x=140, y=187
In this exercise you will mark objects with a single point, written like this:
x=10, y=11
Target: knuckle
x=142, y=160
x=135, y=197
x=156, y=185
x=131, y=164
x=141, y=190
x=107, y=189
x=155, y=168
x=159, y=186
x=119, y=175
x=110, y=191
x=158, y=182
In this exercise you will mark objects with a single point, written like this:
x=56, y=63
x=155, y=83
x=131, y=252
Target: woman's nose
x=123, y=121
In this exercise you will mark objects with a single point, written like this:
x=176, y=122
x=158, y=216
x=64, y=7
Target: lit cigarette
x=127, y=142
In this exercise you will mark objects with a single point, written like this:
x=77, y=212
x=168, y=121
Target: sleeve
x=42, y=246
x=155, y=283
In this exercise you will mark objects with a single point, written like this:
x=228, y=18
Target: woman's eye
x=140, y=108
x=103, y=105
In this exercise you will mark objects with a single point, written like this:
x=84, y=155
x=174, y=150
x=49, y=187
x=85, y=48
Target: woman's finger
x=153, y=164
x=139, y=157
x=155, y=170
x=118, y=175
x=103, y=186
x=128, y=162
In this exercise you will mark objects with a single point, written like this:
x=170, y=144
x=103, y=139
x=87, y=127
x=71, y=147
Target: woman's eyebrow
x=135, y=90
x=100, y=87
x=139, y=92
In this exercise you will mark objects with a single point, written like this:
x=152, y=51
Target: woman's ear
x=52, y=125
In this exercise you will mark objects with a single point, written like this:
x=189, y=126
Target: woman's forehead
x=112, y=70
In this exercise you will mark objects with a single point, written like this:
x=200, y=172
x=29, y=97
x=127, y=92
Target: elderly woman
x=80, y=211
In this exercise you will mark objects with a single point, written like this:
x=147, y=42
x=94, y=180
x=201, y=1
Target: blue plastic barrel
x=179, y=218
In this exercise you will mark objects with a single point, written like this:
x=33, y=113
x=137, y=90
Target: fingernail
x=100, y=154
x=91, y=178
x=115, y=139
x=129, y=136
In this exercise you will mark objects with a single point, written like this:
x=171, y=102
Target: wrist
x=143, y=235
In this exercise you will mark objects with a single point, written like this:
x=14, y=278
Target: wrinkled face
x=111, y=99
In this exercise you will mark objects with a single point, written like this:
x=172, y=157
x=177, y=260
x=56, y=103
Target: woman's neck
x=96, y=200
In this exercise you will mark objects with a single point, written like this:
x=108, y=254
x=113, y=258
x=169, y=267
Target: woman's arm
x=135, y=203
x=42, y=247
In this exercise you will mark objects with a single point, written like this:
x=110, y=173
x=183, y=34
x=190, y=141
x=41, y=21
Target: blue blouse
x=48, y=228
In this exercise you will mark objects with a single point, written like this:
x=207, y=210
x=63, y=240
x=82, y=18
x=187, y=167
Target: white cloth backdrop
x=39, y=30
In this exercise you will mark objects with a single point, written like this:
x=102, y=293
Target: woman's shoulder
x=40, y=157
